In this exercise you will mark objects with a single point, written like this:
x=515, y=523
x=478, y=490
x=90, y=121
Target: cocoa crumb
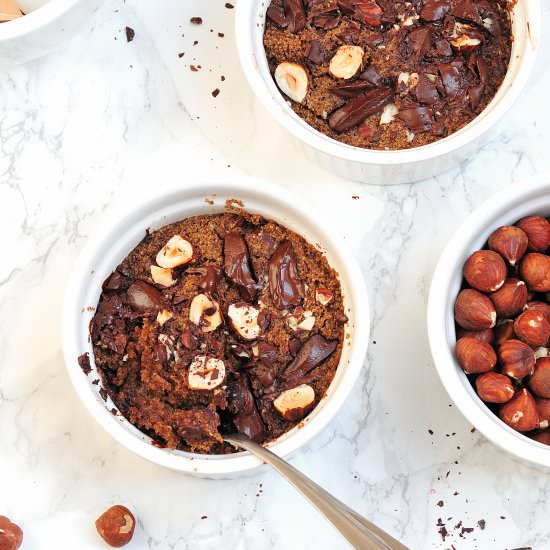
x=130, y=34
x=229, y=6
x=196, y=20
x=84, y=362
x=216, y=92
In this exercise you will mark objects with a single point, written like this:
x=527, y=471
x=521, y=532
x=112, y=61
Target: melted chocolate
x=314, y=351
x=247, y=419
x=237, y=265
x=211, y=275
x=145, y=298
x=285, y=285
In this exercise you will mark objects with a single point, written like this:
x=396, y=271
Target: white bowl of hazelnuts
x=489, y=319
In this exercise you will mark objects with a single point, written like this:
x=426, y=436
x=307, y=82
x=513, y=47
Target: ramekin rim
x=241, y=462
x=291, y=122
x=473, y=409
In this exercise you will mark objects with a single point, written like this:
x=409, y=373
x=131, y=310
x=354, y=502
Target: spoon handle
x=358, y=531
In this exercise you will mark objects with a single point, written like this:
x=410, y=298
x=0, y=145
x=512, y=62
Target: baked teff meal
x=218, y=322
x=388, y=74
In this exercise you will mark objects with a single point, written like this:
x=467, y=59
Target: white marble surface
x=105, y=120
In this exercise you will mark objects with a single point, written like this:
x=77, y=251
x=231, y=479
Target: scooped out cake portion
x=218, y=322
x=386, y=74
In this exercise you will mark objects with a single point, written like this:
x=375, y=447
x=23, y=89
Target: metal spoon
x=359, y=532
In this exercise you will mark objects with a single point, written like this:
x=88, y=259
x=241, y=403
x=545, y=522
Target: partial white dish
x=109, y=247
x=387, y=167
x=42, y=31
x=505, y=208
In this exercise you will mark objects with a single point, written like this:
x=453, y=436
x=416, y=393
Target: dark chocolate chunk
x=145, y=298
x=417, y=119
x=276, y=12
x=211, y=275
x=116, y=281
x=367, y=12
x=189, y=340
x=327, y=20
x=467, y=11
x=237, y=265
x=130, y=34
x=264, y=376
x=264, y=318
x=357, y=110
x=267, y=353
x=450, y=76
x=84, y=362
x=420, y=41
x=426, y=91
x=489, y=15
x=475, y=93
x=435, y=10
x=371, y=75
x=443, y=48
x=374, y=39
x=247, y=420
x=295, y=14
x=349, y=90
x=294, y=346
x=314, y=351
x=316, y=52
x=285, y=285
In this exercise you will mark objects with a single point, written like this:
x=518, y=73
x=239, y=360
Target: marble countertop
x=106, y=121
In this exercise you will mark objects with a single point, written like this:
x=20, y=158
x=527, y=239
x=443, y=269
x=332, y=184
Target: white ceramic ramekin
x=386, y=167
x=43, y=30
x=107, y=249
x=504, y=208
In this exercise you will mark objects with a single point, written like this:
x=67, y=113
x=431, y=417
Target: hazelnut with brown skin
x=539, y=382
x=516, y=359
x=537, y=230
x=533, y=328
x=510, y=242
x=543, y=307
x=510, y=298
x=486, y=335
x=521, y=412
x=542, y=436
x=485, y=271
x=474, y=311
x=116, y=526
x=475, y=356
x=535, y=271
x=543, y=405
x=11, y=535
x=503, y=331
x=494, y=388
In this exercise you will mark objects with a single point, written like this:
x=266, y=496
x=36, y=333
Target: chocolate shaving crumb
x=103, y=393
x=216, y=92
x=84, y=362
x=440, y=503
x=130, y=34
x=193, y=68
x=229, y=6
x=196, y=20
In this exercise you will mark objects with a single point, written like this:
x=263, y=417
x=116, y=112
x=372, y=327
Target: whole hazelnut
x=535, y=271
x=503, y=331
x=510, y=242
x=533, y=328
x=474, y=311
x=521, y=412
x=543, y=307
x=475, y=356
x=537, y=230
x=11, y=535
x=516, y=359
x=485, y=271
x=510, y=298
x=542, y=436
x=486, y=335
x=543, y=405
x=116, y=526
x=539, y=382
x=494, y=388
